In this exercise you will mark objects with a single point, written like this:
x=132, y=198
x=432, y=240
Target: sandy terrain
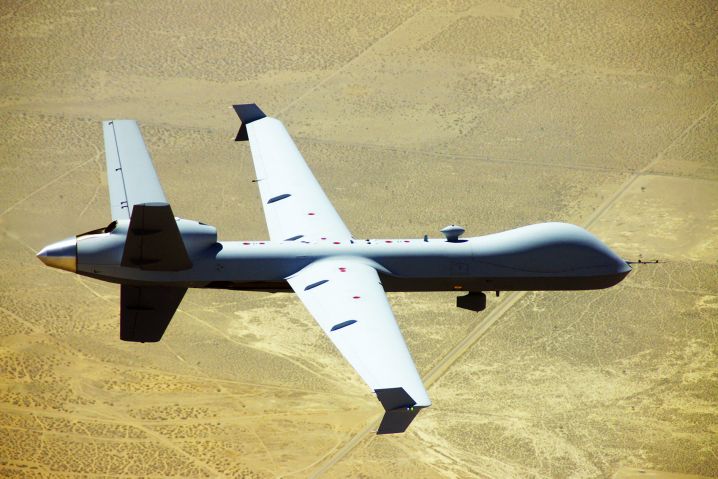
x=412, y=116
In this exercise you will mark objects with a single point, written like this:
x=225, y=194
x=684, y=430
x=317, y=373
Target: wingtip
x=247, y=112
x=397, y=421
x=400, y=409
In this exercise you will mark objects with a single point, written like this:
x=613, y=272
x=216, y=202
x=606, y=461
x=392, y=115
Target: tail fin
x=146, y=311
x=154, y=242
x=131, y=178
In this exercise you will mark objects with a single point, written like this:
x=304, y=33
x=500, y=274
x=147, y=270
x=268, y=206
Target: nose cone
x=61, y=255
x=624, y=268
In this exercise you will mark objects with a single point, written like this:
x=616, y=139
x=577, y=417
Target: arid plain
x=412, y=116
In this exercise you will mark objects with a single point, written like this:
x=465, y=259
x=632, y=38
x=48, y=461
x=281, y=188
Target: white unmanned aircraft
x=342, y=280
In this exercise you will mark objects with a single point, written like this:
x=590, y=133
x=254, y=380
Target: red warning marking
x=261, y=242
x=311, y=214
x=387, y=241
x=343, y=270
x=337, y=242
x=407, y=241
x=356, y=297
x=323, y=238
x=245, y=243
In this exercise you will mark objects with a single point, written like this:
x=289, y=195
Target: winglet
x=400, y=410
x=247, y=113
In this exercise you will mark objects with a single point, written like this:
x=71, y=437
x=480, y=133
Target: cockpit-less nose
x=61, y=255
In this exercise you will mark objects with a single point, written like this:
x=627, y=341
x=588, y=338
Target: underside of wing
x=131, y=178
x=295, y=206
x=347, y=300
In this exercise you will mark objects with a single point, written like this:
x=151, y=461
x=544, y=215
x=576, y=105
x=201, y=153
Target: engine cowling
x=196, y=235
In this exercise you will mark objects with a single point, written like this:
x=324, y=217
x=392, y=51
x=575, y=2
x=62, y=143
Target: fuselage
x=547, y=256
x=155, y=256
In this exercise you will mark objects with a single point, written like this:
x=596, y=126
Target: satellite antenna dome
x=452, y=233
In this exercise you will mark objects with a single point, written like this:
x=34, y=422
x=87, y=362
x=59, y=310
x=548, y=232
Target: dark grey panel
x=153, y=240
x=314, y=285
x=474, y=301
x=517, y=283
x=393, y=398
x=400, y=410
x=274, y=199
x=263, y=286
x=247, y=113
x=145, y=312
x=397, y=421
x=343, y=324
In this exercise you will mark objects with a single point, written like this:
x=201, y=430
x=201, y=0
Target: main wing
x=295, y=206
x=131, y=177
x=346, y=298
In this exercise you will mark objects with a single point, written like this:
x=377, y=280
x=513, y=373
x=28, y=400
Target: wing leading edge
x=347, y=300
x=295, y=206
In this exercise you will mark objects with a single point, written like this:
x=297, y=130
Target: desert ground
x=412, y=115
